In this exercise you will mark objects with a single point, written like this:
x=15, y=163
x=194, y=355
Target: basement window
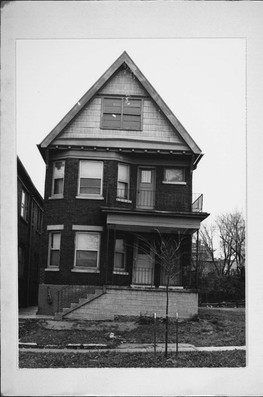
x=121, y=113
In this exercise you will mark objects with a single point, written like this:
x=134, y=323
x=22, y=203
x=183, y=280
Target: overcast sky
x=203, y=82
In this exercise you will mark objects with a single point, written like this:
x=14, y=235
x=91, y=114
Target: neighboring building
x=119, y=166
x=30, y=214
x=202, y=260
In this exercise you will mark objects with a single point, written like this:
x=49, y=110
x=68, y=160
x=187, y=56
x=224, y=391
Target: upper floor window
x=123, y=181
x=58, y=178
x=54, y=249
x=90, y=178
x=174, y=176
x=24, y=205
x=121, y=113
x=87, y=246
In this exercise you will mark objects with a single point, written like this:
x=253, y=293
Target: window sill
x=174, y=183
x=85, y=270
x=90, y=197
x=58, y=196
x=120, y=272
x=124, y=200
x=174, y=287
x=51, y=269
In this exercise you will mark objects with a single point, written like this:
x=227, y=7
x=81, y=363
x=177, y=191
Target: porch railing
x=155, y=199
x=143, y=276
x=71, y=294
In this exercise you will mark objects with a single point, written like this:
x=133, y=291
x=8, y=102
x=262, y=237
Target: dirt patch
x=211, y=328
x=110, y=326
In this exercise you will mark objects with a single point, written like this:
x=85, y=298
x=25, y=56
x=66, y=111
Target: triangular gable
x=155, y=130
x=123, y=59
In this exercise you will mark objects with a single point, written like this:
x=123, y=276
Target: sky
x=203, y=81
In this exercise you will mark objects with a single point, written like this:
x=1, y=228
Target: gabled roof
x=123, y=59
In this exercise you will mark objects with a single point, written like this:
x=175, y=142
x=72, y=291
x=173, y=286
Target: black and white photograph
x=129, y=216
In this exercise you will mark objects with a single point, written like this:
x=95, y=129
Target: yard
x=131, y=360
x=212, y=327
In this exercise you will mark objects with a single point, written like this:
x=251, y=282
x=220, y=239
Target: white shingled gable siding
x=87, y=125
x=123, y=83
x=155, y=127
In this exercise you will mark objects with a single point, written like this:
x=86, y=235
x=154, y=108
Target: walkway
x=125, y=348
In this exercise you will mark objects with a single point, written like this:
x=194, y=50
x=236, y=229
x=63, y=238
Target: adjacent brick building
x=30, y=214
x=119, y=174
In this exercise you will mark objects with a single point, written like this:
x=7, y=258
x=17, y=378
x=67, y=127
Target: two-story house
x=30, y=214
x=119, y=172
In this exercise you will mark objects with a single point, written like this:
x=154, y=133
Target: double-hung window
x=24, y=205
x=174, y=176
x=123, y=181
x=87, y=246
x=122, y=113
x=54, y=250
x=90, y=178
x=58, y=178
x=120, y=255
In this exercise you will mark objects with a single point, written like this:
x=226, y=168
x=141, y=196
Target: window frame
x=49, y=266
x=53, y=194
x=119, y=270
x=91, y=195
x=24, y=205
x=87, y=269
x=119, y=180
x=122, y=113
x=174, y=182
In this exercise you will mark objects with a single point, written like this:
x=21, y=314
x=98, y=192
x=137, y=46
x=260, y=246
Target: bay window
x=123, y=181
x=58, y=178
x=54, y=250
x=87, y=245
x=90, y=178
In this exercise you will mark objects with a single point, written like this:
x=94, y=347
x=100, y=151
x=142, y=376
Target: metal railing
x=155, y=199
x=71, y=294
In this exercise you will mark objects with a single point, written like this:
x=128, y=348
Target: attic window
x=121, y=113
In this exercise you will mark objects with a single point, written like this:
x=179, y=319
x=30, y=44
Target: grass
x=131, y=360
x=213, y=327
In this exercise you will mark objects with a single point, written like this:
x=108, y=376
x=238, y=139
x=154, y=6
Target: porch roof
x=149, y=222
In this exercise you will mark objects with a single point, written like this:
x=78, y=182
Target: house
x=119, y=172
x=30, y=214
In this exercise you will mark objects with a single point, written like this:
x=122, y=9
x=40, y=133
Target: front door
x=146, y=188
x=143, y=268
